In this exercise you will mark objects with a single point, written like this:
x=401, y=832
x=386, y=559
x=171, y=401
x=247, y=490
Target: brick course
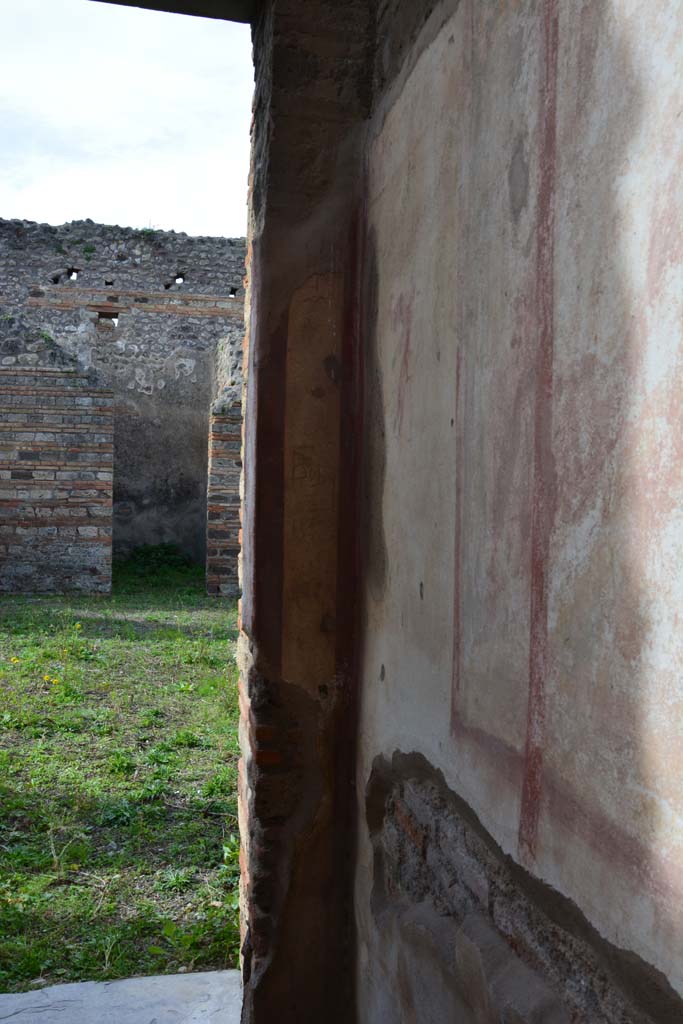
x=56, y=480
x=223, y=506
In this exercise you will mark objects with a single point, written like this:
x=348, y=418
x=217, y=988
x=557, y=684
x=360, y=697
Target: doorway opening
x=120, y=816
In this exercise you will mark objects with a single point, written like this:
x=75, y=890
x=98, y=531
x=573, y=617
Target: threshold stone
x=212, y=997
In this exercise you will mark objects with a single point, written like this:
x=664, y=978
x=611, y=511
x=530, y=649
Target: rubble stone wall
x=148, y=311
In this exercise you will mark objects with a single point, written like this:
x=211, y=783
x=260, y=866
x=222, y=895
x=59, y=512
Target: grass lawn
x=118, y=765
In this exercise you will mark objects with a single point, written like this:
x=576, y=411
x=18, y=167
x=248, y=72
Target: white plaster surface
x=455, y=220
x=212, y=997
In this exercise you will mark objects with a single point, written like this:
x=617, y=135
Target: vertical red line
x=543, y=497
x=457, y=587
x=459, y=422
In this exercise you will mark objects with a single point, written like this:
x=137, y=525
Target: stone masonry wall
x=56, y=454
x=468, y=933
x=146, y=310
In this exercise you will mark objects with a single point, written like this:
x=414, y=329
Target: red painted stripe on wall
x=457, y=587
x=544, y=487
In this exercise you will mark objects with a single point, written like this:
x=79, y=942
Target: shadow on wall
x=569, y=489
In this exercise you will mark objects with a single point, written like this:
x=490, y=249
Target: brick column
x=223, y=505
x=56, y=462
x=300, y=562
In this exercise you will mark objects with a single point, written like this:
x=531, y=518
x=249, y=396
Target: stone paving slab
x=214, y=997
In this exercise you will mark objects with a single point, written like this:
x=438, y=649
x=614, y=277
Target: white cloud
x=124, y=116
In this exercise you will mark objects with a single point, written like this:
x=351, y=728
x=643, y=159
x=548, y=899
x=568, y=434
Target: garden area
x=118, y=768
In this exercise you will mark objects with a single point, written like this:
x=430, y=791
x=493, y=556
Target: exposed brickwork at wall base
x=56, y=473
x=472, y=936
x=223, y=506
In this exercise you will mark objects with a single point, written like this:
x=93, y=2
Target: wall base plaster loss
x=461, y=699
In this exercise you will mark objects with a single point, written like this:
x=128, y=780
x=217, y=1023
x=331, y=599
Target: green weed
x=117, y=791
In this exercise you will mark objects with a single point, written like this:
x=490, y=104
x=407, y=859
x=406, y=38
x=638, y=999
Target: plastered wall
x=523, y=498
x=149, y=312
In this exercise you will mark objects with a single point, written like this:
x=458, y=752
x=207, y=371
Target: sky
x=124, y=116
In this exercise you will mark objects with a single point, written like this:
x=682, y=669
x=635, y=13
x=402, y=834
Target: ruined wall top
x=156, y=316
x=84, y=254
